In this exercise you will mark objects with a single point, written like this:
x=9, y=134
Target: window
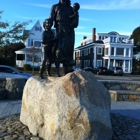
x=106, y=62
x=86, y=51
x=28, y=42
x=126, y=65
x=99, y=63
x=112, y=50
x=38, y=28
x=80, y=53
x=106, y=51
x=99, y=37
x=31, y=44
x=7, y=70
x=99, y=50
x=20, y=56
x=88, y=62
x=120, y=51
x=111, y=39
x=114, y=39
x=127, y=51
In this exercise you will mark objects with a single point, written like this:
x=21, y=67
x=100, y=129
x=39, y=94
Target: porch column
x=114, y=63
x=103, y=62
x=114, y=51
x=131, y=65
x=108, y=63
x=95, y=57
x=124, y=65
x=109, y=51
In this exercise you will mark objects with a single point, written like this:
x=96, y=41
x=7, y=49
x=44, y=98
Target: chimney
x=93, y=34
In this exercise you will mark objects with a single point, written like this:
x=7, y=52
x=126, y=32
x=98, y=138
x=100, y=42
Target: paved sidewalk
x=125, y=120
x=125, y=108
x=9, y=107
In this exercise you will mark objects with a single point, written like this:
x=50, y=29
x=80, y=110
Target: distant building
x=33, y=47
x=105, y=49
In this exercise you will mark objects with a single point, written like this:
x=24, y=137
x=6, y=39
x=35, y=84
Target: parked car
x=79, y=69
x=101, y=70
x=8, y=71
x=88, y=69
x=116, y=71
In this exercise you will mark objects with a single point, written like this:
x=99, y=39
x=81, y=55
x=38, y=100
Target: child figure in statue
x=75, y=16
x=47, y=48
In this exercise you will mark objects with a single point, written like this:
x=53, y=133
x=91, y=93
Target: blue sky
x=122, y=16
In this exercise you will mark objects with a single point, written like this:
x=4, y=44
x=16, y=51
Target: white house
x=105, y=49
x=33, y=47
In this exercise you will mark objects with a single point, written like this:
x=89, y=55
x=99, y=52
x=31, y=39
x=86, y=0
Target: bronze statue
x=75, y=16
x=64, y=17
x=47, y=53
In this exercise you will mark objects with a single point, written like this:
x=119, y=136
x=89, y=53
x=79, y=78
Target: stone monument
x=72, y=107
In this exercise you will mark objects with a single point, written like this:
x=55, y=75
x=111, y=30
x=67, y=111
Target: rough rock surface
x=73, y=107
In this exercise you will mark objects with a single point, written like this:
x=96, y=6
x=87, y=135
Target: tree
x=33, y=55
x=136, y=36
x=11, y=33
x=11, y=39
x=136, y=51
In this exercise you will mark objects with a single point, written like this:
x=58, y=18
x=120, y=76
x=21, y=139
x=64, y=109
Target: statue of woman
x=60, y=14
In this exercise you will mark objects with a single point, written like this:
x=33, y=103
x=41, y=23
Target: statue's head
x=68, y=2
x=76, y=6
x=47, y=24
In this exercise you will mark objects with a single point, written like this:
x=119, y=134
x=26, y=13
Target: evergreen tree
x=136, y=36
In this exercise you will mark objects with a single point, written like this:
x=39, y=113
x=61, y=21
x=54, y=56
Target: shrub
x=27, y=67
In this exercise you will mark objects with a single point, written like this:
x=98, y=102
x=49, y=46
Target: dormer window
x=99, y=50
x=38, y=28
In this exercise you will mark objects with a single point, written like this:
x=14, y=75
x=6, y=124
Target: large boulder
x=73, y=107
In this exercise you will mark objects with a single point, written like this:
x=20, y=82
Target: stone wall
x=121, y=85
x=11, y=88
x=123, y=90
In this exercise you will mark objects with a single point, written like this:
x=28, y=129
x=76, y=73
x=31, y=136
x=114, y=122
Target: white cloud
x=87, y=19
x=81, y=27
x=31, y=18
x=113, y=5
x=101, y=5
x=124, y=32
x=83, y=33
x=39, y=5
